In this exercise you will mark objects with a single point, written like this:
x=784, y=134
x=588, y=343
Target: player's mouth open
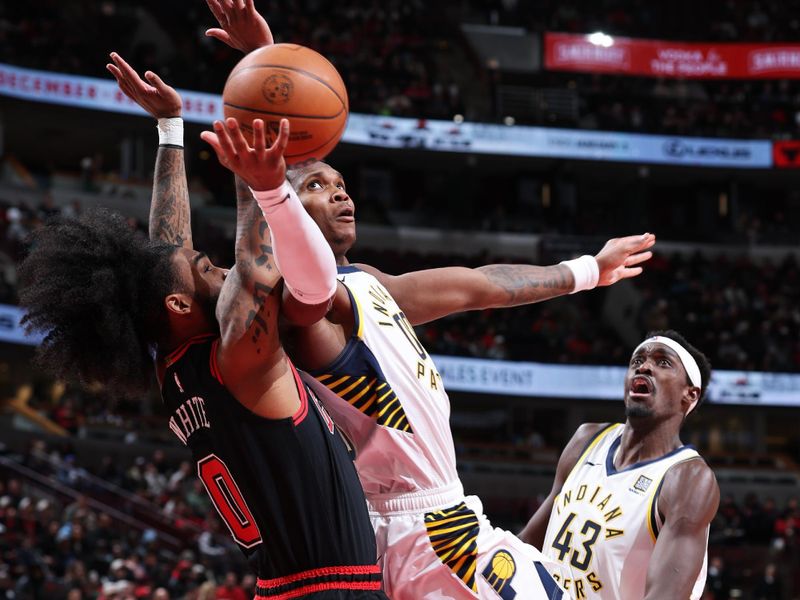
x=347, y=215
x=641, y=386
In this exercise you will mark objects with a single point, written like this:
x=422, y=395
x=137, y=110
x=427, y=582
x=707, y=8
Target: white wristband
x=170, y=131
x=585, y=271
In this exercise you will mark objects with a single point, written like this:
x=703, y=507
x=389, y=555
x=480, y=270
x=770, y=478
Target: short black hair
x=295, y=173
x=96, y=287
x=702, y=360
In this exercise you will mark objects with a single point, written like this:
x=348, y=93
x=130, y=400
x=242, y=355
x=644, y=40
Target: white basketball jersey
x=389, y=397
x=604, y=523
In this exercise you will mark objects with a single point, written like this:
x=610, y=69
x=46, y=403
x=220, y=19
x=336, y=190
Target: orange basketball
x=292, y=82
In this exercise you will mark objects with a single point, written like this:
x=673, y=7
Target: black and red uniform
x=286, y=488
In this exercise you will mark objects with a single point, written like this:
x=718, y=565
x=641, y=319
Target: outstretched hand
x=240, y=25
x=260, y=167
x=153, y=95
x=619, y=256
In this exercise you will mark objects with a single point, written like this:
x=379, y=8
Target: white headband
x=689, y=363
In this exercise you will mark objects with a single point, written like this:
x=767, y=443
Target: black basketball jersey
x=286, y=488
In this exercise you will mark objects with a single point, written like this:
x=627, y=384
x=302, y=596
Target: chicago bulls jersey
x=286, y=488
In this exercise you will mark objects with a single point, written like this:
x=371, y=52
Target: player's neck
x=645, y=441
x=341, y=260
x=180, y=334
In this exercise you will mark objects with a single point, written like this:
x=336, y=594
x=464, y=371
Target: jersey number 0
x=228, y=500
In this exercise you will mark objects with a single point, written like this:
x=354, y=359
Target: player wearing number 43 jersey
x=276, y=468
x=629, y=512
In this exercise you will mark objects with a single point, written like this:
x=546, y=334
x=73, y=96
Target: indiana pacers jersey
x=605, y=522
x=390, y=399
x=434, y=542
x=286, y=488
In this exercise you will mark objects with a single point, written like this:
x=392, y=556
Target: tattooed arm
x=434, y=293
x=170, y=218
x=251, y=360
x=170, y=215
x=250, y=356
x=242, y=309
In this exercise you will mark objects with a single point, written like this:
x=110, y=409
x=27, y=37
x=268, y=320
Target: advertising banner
x=581, y=382
x=786, y=154
x=601, y=53
x=445, y=136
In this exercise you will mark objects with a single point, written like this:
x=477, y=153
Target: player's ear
x=690, y=398
x=178, y=304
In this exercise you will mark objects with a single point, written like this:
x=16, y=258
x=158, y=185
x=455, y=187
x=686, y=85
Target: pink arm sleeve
x=302, y=254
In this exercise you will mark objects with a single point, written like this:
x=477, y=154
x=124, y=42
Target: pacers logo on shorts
x=499, y=573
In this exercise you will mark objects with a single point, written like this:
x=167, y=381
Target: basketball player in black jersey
x=271, y=459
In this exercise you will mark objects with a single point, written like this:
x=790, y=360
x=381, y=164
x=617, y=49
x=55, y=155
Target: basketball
x=292, y=82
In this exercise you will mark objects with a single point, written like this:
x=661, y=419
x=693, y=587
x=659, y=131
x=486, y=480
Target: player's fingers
x=635, y=259
x=129, y=91
x=239, y=4
x=632, y=272
x=225, y=142
x=219, y=34
x=212, y=139
x=649, y=240
x=234, y=131
x=259, y=137
x=216, y=9
x=250, y=6
x=644, y=241
x=156, y=81
x=283, y=138
x=127, y=70
x=125, y=87
x=115, y=72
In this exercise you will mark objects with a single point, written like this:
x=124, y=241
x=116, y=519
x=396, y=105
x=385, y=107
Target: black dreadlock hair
x=96, y=289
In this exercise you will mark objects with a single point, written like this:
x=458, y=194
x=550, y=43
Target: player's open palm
x=240, y=25
x=261, y=167
x=619, y=257
x=153, y=95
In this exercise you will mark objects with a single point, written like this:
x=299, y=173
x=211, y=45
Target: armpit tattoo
x=527, y=283
x=260, y=294
x=170, y=218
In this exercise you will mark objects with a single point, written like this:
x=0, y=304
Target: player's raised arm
x=433, y=293
x=170, y=217
x=240, y=25
x=682, y=541
x=291, y=247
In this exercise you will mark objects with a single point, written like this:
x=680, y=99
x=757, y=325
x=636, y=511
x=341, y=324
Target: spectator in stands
x=769, y=587
x=718, y=580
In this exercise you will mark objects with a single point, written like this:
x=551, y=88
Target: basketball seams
x=335, y=136
x=284, y=114
x=308, y=74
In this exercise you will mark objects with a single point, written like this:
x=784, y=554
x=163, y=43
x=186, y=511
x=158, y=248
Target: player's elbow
x=302, y=314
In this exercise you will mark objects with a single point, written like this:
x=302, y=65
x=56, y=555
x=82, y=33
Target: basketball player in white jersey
x=630, y=508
